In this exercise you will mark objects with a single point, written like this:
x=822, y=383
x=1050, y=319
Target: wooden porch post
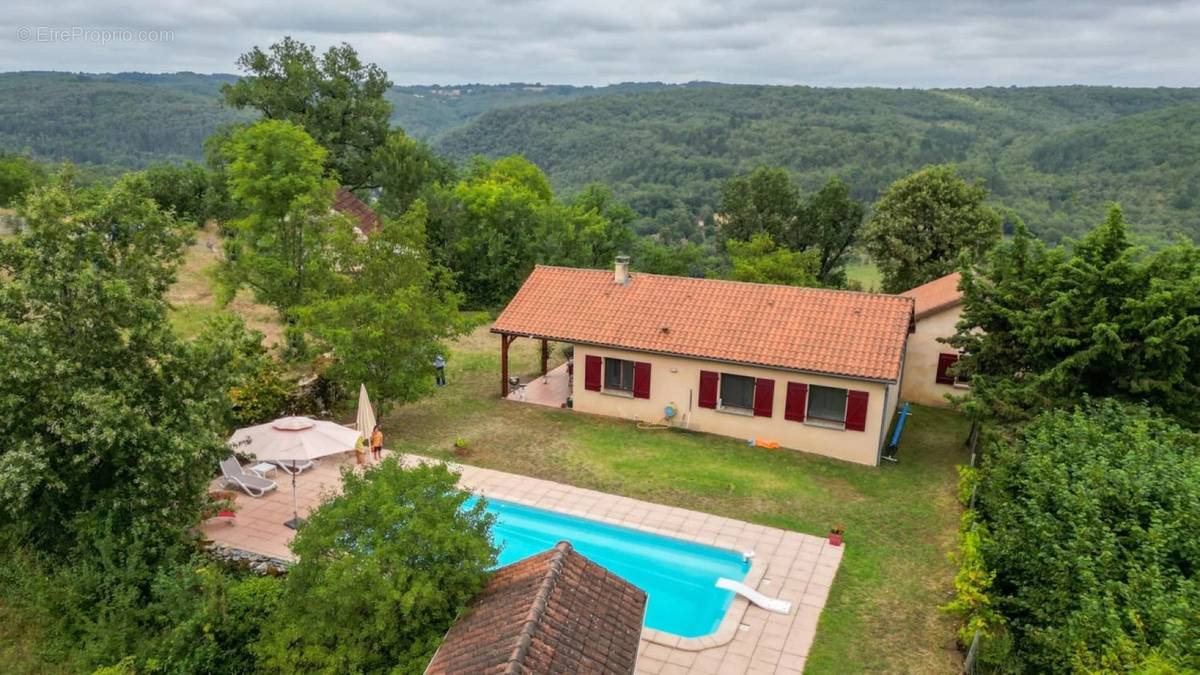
x=504, y=342
x=545, y=355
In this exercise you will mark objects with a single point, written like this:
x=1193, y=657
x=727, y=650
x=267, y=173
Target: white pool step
x=770, y=604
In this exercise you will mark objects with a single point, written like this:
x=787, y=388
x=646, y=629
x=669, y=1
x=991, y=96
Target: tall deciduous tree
x=335, y=97
x=590, y=231
x=404, y=168
x=1042, y=326
x=767, y=202
x=384, y=569
x=387, y=310
x=277, y=246
x=489, y=228
x=500, y=220
x=923, y=222
x=830, y=220
x=109, y=424
x=763, y=202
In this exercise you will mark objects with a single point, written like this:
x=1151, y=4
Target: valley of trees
x=1053, y=155
x=1078, y=553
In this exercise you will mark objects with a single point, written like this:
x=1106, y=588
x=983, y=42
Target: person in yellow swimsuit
x=377, y=444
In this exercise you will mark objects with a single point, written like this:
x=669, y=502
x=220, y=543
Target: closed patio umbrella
x=365, y=421
x=294, y=439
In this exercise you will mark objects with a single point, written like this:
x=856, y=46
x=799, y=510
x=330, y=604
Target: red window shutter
x=944, y=363
x=641, y=380
x=764, y=396
x=796, y=404
x=593, y=366
x=708, y=389
x=856, y=410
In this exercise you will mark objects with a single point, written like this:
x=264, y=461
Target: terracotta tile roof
x=346, y=202
x=936, y=295
x=846, y=333
x=555, y=612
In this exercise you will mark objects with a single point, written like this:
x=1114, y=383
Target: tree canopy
x=1043, y=326
x=763, y=202
x=767, y=203
x=334, y=96
x=502, y=218
x=386, y=311
x=1092, y=521
x=384, y=568
x=761, y=261
x=923, y=222
x=17, y=176
x=276, y=245
x=109, y=425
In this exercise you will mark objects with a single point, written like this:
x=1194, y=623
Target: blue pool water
x=678, y=576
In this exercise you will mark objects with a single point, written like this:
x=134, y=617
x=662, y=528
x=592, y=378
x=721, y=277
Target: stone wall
x=256, y=562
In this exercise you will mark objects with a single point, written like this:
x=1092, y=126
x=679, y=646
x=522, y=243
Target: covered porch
x=549, y=387
x=552, y=389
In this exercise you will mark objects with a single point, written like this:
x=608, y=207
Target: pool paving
x=795, y=567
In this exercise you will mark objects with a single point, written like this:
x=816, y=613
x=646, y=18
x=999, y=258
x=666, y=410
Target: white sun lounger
x=253, y=485
x=769, y=604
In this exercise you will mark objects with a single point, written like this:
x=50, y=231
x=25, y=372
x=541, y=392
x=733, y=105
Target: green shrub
x=972, y=583
x=211, y=619
x=1093, y=532
x=383, y=570
x=261, y=397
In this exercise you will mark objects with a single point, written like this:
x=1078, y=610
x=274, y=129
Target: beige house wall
x=920, y=360
x=677, y=380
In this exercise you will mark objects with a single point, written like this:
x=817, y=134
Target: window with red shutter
x=796, y=402
x=856, y=410
x=641, y=380
x=592, y=367
x=945, y=361
x=764, y=396
x=708, y=389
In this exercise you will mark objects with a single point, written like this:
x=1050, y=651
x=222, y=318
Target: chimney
x=621, y=270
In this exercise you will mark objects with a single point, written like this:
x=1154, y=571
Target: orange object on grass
x=764, y=443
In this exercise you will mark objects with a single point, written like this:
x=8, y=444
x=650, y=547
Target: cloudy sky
x=902, y=43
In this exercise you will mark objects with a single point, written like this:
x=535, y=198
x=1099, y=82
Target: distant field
x=865, y=273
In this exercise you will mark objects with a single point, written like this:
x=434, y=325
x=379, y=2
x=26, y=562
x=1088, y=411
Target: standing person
x=439, y=366
x=360, y=449
x=377, y=444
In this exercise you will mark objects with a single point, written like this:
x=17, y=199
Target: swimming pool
x=679, y=577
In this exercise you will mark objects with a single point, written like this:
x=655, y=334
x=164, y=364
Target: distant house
x=555, y=612
x=810, y=369
x=347, y=203
x=927, y=364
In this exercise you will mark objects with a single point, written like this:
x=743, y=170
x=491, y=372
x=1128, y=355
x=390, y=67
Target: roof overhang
x=709, y=359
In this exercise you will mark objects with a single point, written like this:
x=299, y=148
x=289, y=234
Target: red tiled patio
x=551, y=389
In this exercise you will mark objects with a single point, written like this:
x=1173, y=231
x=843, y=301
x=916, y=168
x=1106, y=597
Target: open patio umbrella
x=365, y=421
x=294, y=439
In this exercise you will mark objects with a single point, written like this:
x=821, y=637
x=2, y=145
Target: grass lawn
x=882, y=611
x=194, y=301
